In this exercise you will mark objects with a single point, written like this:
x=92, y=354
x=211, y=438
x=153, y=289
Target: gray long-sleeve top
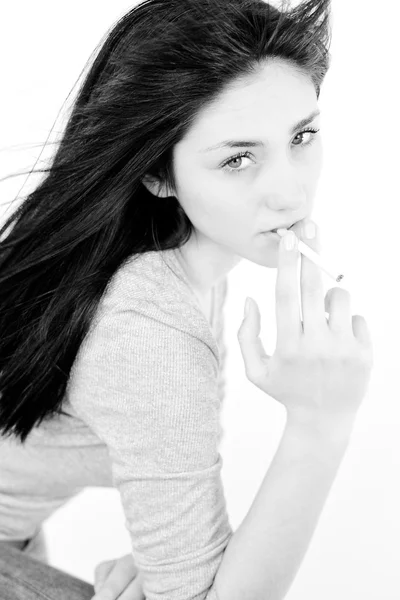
x=143, y=414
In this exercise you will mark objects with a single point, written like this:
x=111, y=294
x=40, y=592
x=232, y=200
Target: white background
x=354, y=552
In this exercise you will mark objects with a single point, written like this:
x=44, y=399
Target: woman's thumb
x=253, y=353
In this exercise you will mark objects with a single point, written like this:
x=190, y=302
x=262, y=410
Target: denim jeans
x=26, y=575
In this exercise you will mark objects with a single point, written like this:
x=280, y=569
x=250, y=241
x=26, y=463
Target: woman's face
x=229, y=200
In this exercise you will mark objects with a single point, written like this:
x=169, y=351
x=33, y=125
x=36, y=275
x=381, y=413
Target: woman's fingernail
x=289, y=240
x=246, y=307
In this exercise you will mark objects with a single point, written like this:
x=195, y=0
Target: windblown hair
x=159, y=65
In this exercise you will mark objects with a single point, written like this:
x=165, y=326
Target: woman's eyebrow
x=251, y=144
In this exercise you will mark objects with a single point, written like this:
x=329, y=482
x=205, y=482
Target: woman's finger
x=101, y=573
x=312, y=287
x=134, y=591
x=287, y=301
x=120, y=576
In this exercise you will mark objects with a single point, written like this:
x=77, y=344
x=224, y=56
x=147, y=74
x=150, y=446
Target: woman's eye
x=311, y=131
x=234, y=159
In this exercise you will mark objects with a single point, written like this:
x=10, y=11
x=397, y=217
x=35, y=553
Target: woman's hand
x=320, y=367
x=119, y=578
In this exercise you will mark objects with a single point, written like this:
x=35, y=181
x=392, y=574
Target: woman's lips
x=272, y=234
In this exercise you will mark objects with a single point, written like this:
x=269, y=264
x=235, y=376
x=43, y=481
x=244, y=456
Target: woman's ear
x=156, y=187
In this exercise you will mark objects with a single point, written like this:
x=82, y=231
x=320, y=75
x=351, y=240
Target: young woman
x=194, y=133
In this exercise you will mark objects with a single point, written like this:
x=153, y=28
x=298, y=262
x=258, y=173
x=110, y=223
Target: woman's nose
x=288, y=197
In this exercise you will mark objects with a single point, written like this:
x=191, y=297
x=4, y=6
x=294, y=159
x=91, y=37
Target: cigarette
x=309, y=252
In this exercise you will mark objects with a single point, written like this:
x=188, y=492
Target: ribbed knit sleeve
x=149, y=390
x=220, y=336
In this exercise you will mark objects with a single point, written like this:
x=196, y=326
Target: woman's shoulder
x=148, y=292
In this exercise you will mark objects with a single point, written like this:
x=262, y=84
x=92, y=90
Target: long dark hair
x=159, y=65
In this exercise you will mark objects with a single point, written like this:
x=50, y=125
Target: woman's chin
x=268, y=249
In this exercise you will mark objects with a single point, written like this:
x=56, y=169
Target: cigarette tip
x=339, y=278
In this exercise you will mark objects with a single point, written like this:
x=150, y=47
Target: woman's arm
x=265, y=552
